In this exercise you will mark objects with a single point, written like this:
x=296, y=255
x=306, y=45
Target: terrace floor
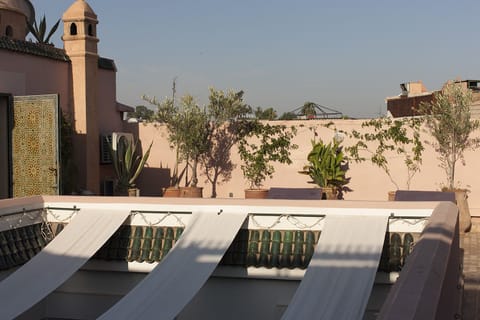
x=470, y=243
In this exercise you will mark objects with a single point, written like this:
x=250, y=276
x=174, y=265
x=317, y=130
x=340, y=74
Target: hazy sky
x=348, y=55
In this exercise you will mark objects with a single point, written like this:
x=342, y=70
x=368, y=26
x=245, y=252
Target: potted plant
x=188, y=127
x=127, y=164
x=193, y=141
x=327, y=168
x=448, y=120
x=263, y=145
x=229, y=123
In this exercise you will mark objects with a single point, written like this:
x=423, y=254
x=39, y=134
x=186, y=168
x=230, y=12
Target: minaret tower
x=80, y=43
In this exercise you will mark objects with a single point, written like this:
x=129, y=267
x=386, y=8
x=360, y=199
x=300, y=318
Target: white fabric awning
x=59, y=260
x=340, y=276
x=168, y=288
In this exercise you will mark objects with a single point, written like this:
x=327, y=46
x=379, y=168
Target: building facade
x=75, y=84
x=415, y=93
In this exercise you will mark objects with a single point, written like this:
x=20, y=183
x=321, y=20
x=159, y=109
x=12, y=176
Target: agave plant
x=127, y=163
x=39, y=31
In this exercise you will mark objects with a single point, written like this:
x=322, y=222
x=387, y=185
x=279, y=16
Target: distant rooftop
x=312, y=110
x=414, y=93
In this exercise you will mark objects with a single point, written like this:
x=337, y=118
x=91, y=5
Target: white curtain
x=175, y=281
x=59, y=260
x=340, y=276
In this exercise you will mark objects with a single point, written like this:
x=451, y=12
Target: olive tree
x=448, y=120
x=228, y=124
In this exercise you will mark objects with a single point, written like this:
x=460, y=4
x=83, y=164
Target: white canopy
x=342, y=271
x=168, y=288
x=59, y=260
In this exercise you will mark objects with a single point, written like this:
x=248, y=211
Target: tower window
x=73, y=29
x=90, y=30
x=9, y=31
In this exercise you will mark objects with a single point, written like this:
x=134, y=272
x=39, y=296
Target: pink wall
x=109, y=118
x=22, y=74
x=368, y=182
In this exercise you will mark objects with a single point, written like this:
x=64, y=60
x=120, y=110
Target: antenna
x=174, y=89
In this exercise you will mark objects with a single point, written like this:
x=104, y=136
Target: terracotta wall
x=368, y=182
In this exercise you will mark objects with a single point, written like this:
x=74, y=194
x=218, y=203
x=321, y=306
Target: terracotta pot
x=391, y=195
x=191, y=192
x=133, y=192
x=256, y=193
x=171, y=192
x=329, y=193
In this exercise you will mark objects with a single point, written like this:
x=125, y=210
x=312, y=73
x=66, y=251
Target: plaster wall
x=14, y=20
x=368, y=182
x=31, y=75
x=109, y=119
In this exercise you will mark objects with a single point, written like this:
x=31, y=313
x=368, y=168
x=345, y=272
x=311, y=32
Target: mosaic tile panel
x=35, y=145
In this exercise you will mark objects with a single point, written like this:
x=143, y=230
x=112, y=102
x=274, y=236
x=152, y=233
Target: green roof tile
x=47, y=51
x=32, y=48
x=107, y=64
x=19, y=245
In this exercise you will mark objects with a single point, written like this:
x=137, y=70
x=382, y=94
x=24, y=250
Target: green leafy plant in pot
x=127, y=163
x=263, y=145
x=327, y=168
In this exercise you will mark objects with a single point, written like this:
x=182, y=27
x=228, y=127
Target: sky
x=348, y=55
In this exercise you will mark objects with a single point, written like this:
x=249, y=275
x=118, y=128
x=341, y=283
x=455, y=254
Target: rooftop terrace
x=135, y=258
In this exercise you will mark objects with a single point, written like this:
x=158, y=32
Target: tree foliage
x=143, y=113
x=187, y=126
x=288, y=116
x=265, y=114
x=228, y=124
x=448, y=119
x=205, y=135
x=386, y=135
x=309, y=110
x=263, y=145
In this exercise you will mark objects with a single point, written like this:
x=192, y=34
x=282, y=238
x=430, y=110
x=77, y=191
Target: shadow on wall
x=152, y=180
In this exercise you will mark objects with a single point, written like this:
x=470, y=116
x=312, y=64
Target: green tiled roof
x=251, y=248
x=47, y=51
x=140, y=244
x=19, y=245
x=107, y=64
x=36, y=49
x=272, y=249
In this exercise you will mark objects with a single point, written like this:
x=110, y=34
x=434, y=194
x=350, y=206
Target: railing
x=429, y=285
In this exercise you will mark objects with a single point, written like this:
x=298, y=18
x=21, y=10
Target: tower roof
x=80, y=9
x=24, y=7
